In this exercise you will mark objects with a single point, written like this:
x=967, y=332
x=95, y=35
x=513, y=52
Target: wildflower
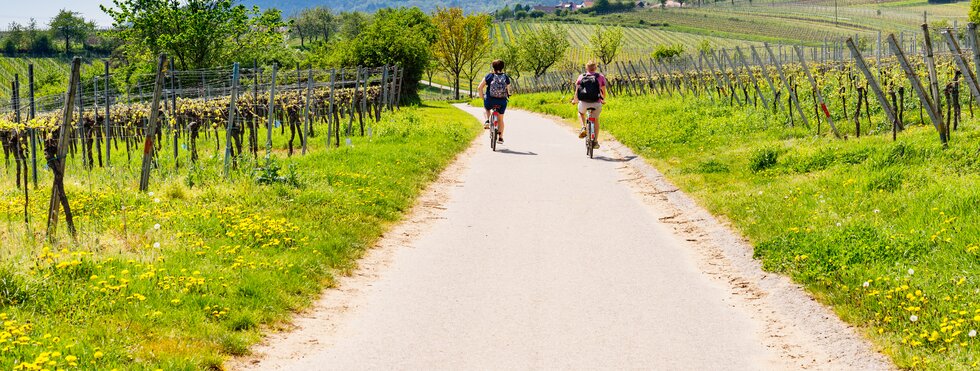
x=877, y=211
x=156, y=226
x=866, y=284
x=97, y=355
x=156, y=245
x=838, y=224
x=156, y=200
x=911, y=271
x=913, y=318
x=972, y=334
x=150, y=194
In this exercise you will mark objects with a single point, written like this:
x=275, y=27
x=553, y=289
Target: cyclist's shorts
x=490, y=102
x=584, y=106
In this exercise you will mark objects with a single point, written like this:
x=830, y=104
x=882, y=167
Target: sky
x=21, y=11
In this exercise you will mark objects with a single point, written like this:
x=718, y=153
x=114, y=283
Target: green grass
x=234, y=256
x=50, y=74
x=880, y=230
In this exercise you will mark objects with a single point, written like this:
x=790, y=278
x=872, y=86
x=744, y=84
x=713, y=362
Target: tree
x=541, y=50
x=352, y=23
x=70, y=26
x=196, y=33
x=974, y=11
x=511, y=55
x=461, y=41
x=480, y=44
x=14, y=41
x=605, y=43
x=668, y=53
x=400, y=36
x=313, y=24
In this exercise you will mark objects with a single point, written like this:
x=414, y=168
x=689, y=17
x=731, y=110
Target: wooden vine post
x=789, y=88
x=816, y=89
x=306, y=110
x=55, y=154
x=107, y=130
x=701, y=76
x=272, y=113
x=772, y=85
x=232, y=113
x=31, y=115
x=882, y=99
x=151, y=126
x=962, y=64
x=937, y=121
x=755, y=83
x=975, y=45
x=930, y=61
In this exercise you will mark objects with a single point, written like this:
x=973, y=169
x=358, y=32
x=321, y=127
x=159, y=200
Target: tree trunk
x=456, y=85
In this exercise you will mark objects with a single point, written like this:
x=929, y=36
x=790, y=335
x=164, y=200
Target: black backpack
x=588, y=88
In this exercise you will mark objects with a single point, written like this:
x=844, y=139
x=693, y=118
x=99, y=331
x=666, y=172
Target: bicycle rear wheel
x=493, y=138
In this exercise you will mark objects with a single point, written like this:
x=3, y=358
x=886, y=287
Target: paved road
x=541, y=259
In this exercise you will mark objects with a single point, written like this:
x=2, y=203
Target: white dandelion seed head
x=151, y=194
x=156, y=226
x=866, y=284
x=838, y=224
x=877, y=211
x=156, y=200
x=156, y=245
x=972, y=334
x=911, y=271
x=913, y=318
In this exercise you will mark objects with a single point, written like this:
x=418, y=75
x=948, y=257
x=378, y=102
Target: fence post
x=107, y=129
x=882, y=99
x=933, y=79
x=330, y=113
x=971, y=29
x=306, y=110
x=81, y=127
x=962, y=64
x=56, y=160
x=232, y=113
x=755, y=83
x=789, y=89
x=937, y=121
x=32, y=114
x=151, y=128
x=816, y=89
x=272, y=112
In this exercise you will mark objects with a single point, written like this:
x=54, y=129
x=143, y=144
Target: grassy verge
x=886, y=232
x=185, y=276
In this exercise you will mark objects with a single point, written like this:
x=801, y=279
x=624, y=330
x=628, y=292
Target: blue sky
x=21, y=11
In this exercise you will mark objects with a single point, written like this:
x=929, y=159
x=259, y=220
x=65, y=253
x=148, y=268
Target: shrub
x=763, y=159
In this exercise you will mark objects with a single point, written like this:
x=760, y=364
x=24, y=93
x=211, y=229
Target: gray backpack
x=498, y=86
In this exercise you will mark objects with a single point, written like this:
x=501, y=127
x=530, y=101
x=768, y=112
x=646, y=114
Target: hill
x=292, y=6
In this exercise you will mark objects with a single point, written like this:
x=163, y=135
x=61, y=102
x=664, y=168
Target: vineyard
x=853, y=174
x=638, y=42
x=179, y=270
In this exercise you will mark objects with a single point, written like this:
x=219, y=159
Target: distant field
x=638, y=42
x=50, y=75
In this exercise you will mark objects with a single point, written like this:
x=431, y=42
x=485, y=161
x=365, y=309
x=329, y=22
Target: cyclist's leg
x=500, y=125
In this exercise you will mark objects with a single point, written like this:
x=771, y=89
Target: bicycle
x=590, y=139
x=494, y=127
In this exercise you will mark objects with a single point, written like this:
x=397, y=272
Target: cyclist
x=590, y=92
x=497, y=85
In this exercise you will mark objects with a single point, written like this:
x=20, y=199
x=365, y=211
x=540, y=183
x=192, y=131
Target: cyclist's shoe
x=486, y=125
x=500, y=139
x=581, y=134
x=595, y=144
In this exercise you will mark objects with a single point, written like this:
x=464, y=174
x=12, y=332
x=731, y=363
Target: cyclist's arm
x=603, y=96
x=578, y=83
x=481, y=89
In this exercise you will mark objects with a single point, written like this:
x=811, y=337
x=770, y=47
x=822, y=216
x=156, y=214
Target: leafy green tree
x=974, y=11
x=511, y=55
x=70, y=26
x=541, y=50
x=352, y=24
x=462, y=41
x=14, y=40
x=605, y=43
x=313, y=24
x=400, y=36
x=668, y=53
x=197, y=33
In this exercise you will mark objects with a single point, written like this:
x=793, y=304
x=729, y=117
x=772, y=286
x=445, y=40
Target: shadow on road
x=621, y=159
x=510, y=152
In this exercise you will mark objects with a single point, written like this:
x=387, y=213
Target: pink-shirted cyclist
x=590, y=92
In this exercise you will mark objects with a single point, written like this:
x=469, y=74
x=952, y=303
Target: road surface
x=535, y=257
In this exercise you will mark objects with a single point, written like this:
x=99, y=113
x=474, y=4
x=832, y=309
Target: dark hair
x=498, y=65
